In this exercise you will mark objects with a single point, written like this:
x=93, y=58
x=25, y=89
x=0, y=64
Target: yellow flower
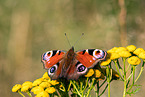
x=26, y=88
x=61, y=86
x=134, y=60
x=106, y=62
x=37, y=89
x=45, y=84
x=142, y=55
x=27, y=83
x=16, y=88
x=114, y=56
x=45, y=76
x=54, y=82
x=42, y=94
x=50, y=90
x=138, y=51
x=131, y=48
x=97, y=73
x=120, y=49
x=125, y=54
x=112, y=50
x=37, y=82
x=89, y=73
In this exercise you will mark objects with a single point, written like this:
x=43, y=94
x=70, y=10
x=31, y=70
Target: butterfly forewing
x=50, y=58
x=90, y=56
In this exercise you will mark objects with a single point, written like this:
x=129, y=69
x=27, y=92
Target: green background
x=28, y=28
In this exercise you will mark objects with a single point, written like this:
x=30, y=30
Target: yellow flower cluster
x=131, y=48
x=16, y=88
x=118, y=52
x=95, y=73
x=41, y=87
x=99, y=74
x=26, y=86
x=134, y=60
x=90, y=73
x=142, y=55
x=122, y=52
x=138, y=51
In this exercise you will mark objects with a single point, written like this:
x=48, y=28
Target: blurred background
x=28, y=28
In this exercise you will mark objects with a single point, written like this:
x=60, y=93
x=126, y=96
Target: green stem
x=97, y=93
x=91, y=87
x=118, y=70
x=108, y=79
x=140, y=71
x=128, y=80
x=58, y=93
x=125, y=81
x=124, y=93
x=76, y=88
x=103, y=83
x=103, y=91
x=21, y=94
x=133, y=73
x=62, y=91
x=86, y=84
x=69, y=87
x=29, y=94
x=128, y=68
x=118, y=64
x=81, y=86
x=63, y=87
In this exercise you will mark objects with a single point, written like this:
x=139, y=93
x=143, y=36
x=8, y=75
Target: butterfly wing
x=71, y=65
x=90, y=57
x=76, y=70
x=83, y=60
x=52, y=61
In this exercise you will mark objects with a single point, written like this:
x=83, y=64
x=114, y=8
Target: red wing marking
x=86, y=59
x=52, y=60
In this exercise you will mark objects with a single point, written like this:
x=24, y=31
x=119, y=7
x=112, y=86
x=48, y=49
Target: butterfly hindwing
x=55, y=71
x=77, y=69
x=52, y=61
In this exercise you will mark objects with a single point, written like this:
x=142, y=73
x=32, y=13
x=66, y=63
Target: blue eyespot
x=81, y=68
x=52, y=69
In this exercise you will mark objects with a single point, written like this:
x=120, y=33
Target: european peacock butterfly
x=70, y=64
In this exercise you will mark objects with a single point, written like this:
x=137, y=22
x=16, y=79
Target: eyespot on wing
x=52, y=57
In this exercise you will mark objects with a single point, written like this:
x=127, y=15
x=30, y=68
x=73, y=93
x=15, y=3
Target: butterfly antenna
x=67, y=39
x=79, y=38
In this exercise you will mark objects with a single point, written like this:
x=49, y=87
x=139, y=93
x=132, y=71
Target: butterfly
x=71, y=64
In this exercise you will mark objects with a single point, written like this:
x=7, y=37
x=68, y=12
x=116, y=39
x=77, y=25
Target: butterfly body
x=71, y=65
